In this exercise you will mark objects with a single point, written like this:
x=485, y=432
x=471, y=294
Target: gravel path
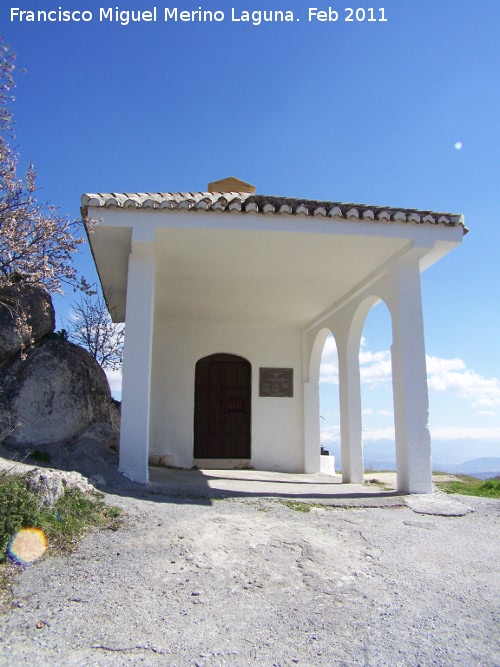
x=241, y=582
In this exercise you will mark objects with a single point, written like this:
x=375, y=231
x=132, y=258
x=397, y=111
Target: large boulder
x=40, y=317
x=54, y=395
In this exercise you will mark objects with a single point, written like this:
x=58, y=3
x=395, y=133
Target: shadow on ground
x=202, y=487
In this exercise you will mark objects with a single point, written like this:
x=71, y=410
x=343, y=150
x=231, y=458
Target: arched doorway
x=222, y=407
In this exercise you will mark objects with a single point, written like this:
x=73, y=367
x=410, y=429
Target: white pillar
x=137, y=356
x=312, y=460
x=409, y=380
x=350, y=411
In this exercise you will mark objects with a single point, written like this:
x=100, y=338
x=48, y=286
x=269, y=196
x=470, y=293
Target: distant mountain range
x=483, y=468
x=381, y=455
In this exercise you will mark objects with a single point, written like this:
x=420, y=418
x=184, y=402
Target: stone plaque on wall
x=276, y=382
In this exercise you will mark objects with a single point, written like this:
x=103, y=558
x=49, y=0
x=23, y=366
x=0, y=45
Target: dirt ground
x=195, y=581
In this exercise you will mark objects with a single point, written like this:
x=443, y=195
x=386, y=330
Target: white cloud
x=374, y=434
x=491, y=434
x=444, y=375
x=452, y=375
x=367, y=357
x=369, y=412
x=330, y=433
x=375, y=368
x=329, y=373
x=329, y=354
x=441, y=433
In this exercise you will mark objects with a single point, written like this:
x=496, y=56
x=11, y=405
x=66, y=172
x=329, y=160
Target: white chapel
x=228, y=297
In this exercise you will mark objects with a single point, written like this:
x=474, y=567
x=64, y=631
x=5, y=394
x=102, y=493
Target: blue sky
x=368, y=112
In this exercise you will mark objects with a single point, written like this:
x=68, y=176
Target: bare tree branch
x=91, y=327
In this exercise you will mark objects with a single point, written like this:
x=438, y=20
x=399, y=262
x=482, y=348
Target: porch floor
x=257, y=483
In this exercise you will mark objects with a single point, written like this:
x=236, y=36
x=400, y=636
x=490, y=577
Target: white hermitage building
x=228, y=297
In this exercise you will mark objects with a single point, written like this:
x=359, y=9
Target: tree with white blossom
x=37, y=245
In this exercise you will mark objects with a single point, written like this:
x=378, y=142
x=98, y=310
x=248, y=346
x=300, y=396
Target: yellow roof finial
x=231, y=184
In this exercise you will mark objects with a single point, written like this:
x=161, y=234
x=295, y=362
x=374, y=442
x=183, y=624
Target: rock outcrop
x=53, y=395
x=58, y=393
x=40, y=316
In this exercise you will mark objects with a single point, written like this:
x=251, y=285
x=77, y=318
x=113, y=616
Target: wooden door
x=222, y=407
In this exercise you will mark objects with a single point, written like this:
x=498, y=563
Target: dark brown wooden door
x=222, y=407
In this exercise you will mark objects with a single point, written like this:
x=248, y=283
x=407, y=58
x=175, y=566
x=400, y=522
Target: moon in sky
x=458, y=145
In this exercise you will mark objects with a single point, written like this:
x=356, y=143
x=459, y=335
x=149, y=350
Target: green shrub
x=37, y=455
x=73, y=514
x=18, y=509
x=63, y=524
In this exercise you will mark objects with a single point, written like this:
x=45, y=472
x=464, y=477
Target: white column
x=312, y=460
x=409, y=380
x=350, y=412
x=137, y=357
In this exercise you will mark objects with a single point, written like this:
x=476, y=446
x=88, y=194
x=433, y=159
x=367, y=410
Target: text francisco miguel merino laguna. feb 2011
x=174, y=14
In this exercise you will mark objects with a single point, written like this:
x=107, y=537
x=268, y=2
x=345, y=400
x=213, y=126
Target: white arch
x=384, y=325
x=312, y=437
x=399, y=287
x=316, y=353
x=348, y=329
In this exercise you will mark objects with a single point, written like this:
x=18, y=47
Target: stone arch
x=329, y=406
x=312, y=439
x=361, y=312
x=347, y=327
x=317, y=352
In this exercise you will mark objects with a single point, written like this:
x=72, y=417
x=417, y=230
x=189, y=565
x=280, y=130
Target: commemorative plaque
x=277, y=382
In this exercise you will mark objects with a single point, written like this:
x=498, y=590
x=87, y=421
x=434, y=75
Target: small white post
x=137, y=357
x=409, y=379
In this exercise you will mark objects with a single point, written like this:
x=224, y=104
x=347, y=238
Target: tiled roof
x=244, y=202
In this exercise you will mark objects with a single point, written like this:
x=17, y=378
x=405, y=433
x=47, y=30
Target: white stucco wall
x=277, y=423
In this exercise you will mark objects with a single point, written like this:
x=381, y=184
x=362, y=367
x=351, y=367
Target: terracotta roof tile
x=244, y=202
